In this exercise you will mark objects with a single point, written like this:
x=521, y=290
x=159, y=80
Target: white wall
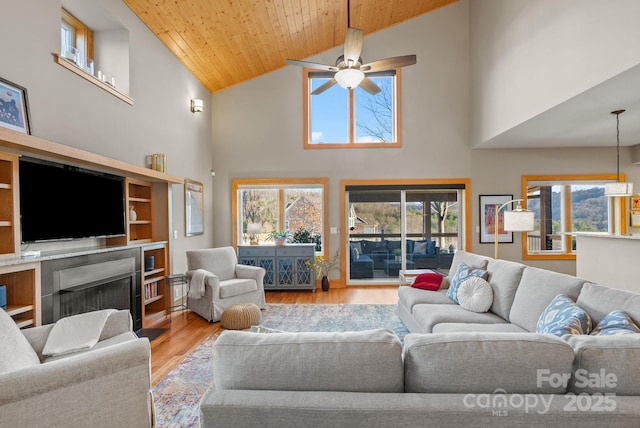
x=69, y=110
x=258, y=129
x=529, y=56
x=258, y=124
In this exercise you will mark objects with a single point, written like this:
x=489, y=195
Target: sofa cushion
x=358, y=361
x=428, y=281
x=536, y=290
x=563, y=316
x=599, y=301
x=472, y=260
x=463, y=272
x=504, y=277
x=409, y=297
x=429, y=315
x=616, y=322
x=15, y=351
x=236, y=287
x=456, y=327
x=475, y=295
x=484, y=362
x=606, y=364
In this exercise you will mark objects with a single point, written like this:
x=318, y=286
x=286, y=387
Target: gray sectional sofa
x=456, y=368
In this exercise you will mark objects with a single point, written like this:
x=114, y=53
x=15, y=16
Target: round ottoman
x=239, y=317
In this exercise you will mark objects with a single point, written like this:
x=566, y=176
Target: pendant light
x=618, y=188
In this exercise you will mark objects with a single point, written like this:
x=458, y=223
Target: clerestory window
x=341, y=118
x=76, y=42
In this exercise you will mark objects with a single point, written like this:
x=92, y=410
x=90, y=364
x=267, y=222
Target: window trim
x=237, y=183
x=350, y=144
x=83, y=34
x=619, y=216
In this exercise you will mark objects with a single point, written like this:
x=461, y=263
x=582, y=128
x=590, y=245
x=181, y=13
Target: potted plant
x=279, y=237
x=398, y=254
x=323, y=267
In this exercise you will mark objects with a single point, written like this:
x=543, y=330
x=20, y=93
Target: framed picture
x=14, y=111
x=635, y=210
x=193, y=207
x=488, y=221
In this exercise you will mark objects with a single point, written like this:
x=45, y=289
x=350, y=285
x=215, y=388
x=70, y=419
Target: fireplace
x=85, y=285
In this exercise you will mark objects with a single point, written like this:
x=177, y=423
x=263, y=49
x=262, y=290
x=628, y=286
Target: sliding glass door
x=392, y=228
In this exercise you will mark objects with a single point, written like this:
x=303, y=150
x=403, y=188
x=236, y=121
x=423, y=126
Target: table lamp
x=254, y=230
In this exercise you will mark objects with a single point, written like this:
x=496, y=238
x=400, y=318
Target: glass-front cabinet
x=287, y=267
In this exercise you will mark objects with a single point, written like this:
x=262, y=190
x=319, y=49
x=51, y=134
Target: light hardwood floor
x=187, y=330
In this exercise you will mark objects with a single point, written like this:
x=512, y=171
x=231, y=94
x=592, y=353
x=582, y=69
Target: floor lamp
x=517, y=220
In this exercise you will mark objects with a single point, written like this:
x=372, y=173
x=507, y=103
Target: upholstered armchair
x=105, y=385
x=224, y=282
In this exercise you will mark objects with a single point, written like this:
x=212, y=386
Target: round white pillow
x=475, y=295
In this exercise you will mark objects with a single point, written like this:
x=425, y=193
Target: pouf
x=239, y=317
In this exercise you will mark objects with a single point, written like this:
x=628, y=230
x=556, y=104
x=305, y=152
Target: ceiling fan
x=350, y=71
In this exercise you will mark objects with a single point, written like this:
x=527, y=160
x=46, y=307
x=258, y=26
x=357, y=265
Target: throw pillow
x=563, y=316
x=616, y=322
x=462, y=273
x=75, y=333
x=428, y=281
x=420, y=248
x=475, y=295
x=431, y=247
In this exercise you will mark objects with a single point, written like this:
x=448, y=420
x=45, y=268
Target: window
x=295, y=205
x=339, y=118
x=76, y=42
x=563, y=205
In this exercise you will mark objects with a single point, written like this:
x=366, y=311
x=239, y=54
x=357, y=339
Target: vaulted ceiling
x=226, y=42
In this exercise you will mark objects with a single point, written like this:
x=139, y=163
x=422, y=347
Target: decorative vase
x=133, y=216
x=280, y=242
x=325, y=283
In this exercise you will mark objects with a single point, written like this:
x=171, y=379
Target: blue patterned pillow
x=563, y=316
x=616, y=322
x=463, y=273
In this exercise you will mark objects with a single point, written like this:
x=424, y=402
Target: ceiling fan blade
x=313, y=65
x=320, y=89
x=353, y=46
x=369, y=86
x=389, y=63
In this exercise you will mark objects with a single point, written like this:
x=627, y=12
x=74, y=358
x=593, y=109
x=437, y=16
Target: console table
x=286, y=267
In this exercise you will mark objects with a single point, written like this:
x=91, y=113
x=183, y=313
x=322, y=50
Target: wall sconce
x=197, y=105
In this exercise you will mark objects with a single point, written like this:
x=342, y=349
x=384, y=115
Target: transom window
x=297, y=206
x=339, y=118
x=564, y=206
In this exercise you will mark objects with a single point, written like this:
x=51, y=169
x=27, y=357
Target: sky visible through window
x=330, y=113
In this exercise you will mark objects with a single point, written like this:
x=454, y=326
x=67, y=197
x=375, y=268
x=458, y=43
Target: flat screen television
x=63, y=202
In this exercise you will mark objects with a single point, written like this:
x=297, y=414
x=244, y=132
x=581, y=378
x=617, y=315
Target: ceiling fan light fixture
x=349, y=78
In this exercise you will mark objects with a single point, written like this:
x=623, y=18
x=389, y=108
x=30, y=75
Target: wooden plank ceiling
x=225, y=42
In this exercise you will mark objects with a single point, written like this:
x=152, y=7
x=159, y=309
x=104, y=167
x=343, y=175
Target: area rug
x=177, y=395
